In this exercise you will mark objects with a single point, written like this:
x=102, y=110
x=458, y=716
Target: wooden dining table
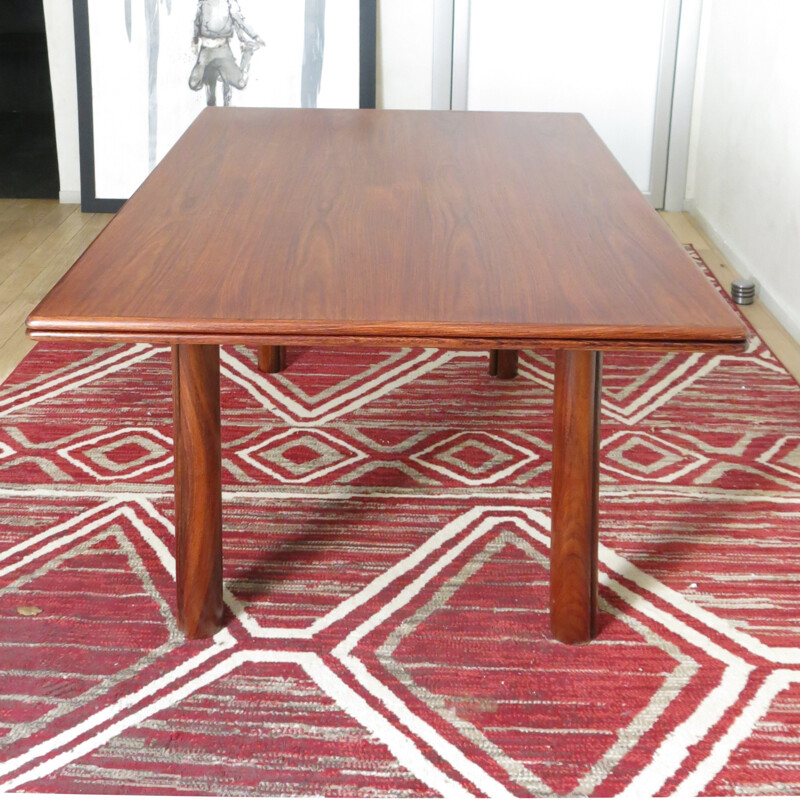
x=495, y=231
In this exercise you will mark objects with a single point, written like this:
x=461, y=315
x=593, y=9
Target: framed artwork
x=147, y=68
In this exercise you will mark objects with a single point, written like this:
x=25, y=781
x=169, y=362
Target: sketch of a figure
x=214, y=26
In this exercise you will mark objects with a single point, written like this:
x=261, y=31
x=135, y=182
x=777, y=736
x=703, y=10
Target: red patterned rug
x=386, y=534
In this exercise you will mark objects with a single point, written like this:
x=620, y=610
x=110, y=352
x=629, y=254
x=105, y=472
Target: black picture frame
x=83, y=64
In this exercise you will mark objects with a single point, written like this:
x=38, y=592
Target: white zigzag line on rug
x=91, y=373
x=380, y=372
x=361, y=597
x=382, y=693
x=775, y=683
x=401, y=747
x=622, y=414
x=266, y=392
x=765, y=457
x=659, y=390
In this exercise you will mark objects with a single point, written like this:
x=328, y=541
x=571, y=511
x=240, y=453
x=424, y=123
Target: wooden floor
x=688, y=231
x=40, y=239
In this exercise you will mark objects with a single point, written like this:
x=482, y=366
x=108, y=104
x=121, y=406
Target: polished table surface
x=373, y=223
x=496, y=230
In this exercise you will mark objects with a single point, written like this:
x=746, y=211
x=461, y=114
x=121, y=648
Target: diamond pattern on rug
x=386, y=517
x=127, y=453
x=301, y=455
x=642, y=456
x=476, y=458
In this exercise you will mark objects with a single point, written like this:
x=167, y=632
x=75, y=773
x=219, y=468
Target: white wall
x=744, y=167
x=61, y=55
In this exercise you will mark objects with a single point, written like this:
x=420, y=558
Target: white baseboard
x=788, y=318
x=69, y=196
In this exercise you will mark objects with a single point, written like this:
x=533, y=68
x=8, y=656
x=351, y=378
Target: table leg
x=198, y=488
x=503, y=363
x=271, y=358
x=573, y=547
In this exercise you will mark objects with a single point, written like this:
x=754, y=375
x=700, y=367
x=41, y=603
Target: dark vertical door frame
x=83, y=66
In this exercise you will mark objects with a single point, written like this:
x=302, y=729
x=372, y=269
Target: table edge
x=430, y=340
x=185, y=330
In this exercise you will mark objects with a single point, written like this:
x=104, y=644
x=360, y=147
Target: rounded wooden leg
x=503, y=363
x=198, y=489
x=271, y=358
x=573, y=541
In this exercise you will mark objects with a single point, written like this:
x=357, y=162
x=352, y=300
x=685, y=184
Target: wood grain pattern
x=198, y=489
x=573, y=539
x=271, y=358
x=37, y=226
x=503, y=363
x=388, y=224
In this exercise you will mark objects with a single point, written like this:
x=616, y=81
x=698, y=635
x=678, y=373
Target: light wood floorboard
x=40, y=239
x=688, y=231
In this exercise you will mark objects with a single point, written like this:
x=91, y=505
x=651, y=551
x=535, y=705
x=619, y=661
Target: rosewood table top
x=441, y=227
